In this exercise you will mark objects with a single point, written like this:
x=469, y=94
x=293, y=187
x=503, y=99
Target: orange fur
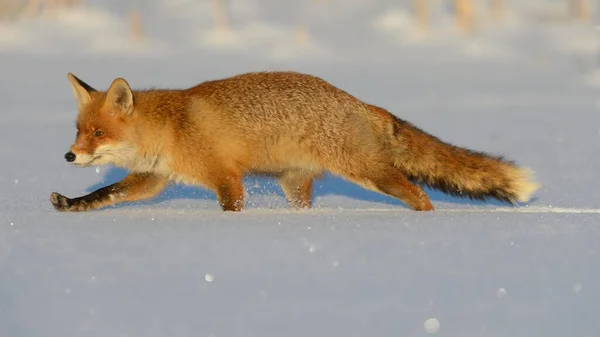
x=283, y=124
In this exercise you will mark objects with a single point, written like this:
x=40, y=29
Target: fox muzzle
x=70, y=156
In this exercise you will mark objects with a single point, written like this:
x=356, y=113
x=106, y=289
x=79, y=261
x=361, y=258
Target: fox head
x=102, y=124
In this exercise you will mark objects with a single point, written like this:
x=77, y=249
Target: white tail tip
x=525, y=185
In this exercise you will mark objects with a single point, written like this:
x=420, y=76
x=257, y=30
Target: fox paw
x=64, y=204
x=60, y=202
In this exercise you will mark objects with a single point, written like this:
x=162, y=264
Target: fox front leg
x=135, y=187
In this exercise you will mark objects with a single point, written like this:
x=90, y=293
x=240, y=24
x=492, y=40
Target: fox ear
x=120, y=97
x=81, y=90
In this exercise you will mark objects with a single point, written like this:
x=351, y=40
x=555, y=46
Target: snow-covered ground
x=358, y=264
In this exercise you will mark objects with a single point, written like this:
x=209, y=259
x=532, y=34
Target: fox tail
x=458, y=171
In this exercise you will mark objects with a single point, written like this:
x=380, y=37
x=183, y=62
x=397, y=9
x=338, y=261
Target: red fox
x=287, y=125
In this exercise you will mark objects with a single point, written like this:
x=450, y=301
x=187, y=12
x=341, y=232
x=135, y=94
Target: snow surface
x=359, y=263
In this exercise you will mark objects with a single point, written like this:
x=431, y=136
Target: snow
x=432, y=325
x=359, y=263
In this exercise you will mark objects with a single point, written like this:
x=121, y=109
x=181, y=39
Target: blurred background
x=317, y=30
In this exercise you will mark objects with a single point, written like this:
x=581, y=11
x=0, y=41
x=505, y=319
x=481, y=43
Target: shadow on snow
x=327, y=185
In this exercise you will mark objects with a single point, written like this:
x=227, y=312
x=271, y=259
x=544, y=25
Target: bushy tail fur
x=457, y=171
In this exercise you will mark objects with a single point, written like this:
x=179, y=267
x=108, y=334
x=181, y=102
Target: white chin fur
x=88, y=160
x=105, y=154
x=83, y=160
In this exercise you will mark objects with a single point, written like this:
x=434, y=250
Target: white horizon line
x=538, y=209
x=400, y=209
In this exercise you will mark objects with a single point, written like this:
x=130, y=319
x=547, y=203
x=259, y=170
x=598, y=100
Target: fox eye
x=98, y=133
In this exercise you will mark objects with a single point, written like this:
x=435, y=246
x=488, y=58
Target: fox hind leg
x=396, y=184
x=390, y=180
x=297, y=187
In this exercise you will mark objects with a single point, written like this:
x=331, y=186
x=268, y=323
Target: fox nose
x=70, y=156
